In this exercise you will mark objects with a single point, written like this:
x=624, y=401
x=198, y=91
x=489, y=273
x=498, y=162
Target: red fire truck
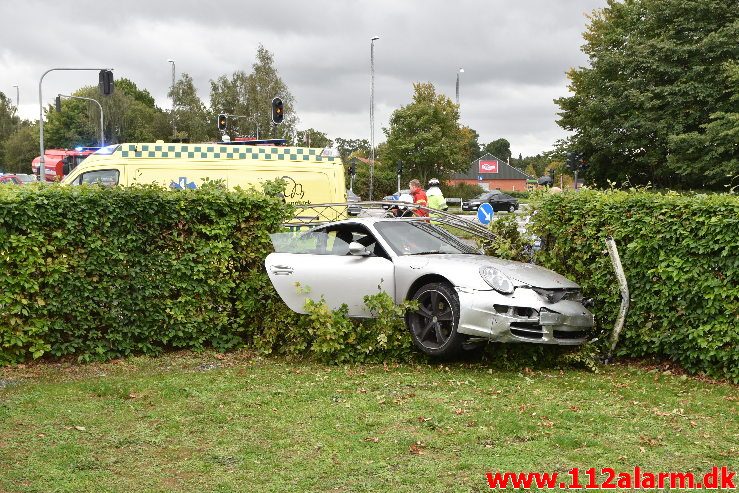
x=60, y=162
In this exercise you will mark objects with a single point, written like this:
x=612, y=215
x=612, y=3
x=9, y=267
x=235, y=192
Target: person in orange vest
x=419, y=197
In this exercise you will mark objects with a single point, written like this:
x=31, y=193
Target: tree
x=349, y=147
x=642, y=111
x=249, y=96
x=499, y=148
x=425, y=135
x=9, y=121
x=473, y=139
x=710, y=155
x=20, y=148
x=312, y=138
x=130, y=115
x=194, y=122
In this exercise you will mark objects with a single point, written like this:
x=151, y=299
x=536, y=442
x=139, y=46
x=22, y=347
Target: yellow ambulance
x=313, y=176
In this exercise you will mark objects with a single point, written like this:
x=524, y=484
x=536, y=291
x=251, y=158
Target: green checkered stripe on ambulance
x=212, y=151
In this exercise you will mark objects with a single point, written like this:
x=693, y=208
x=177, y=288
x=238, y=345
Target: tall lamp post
x=460, y=71
x=102, y=126
x=372, y=114
x=42, y=160
x=174, y=119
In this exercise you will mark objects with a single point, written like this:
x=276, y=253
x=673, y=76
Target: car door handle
x=281, y=270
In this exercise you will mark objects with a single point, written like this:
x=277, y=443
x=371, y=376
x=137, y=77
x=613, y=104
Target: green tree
x=130, y=115
x=312, y=138
x=249, y=96
x=499, y=148
x=475, y=148
x=194, y=122
x=9, y=121
x=20, y=148
x=710, y=155
x=349, y=147
x=425, y=135
x=642, y=111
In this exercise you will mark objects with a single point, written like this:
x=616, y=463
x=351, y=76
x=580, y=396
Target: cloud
x=514, y=54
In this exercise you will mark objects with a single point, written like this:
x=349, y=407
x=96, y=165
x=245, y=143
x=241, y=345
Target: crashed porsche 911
x=463, y=296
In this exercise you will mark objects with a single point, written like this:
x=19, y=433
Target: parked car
x=10, y=179
x=464, y=297
x=499, y=200
x=26, y=178
x=352, y=198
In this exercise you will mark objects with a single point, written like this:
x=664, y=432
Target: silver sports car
x=464, y=297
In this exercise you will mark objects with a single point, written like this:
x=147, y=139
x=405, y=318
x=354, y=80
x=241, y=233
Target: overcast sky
x=514, y=54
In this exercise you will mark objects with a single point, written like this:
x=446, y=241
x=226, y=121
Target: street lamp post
x=102, y=127
x=460, y=71
x=42, y=161
x=372, y=114
x=174, y=118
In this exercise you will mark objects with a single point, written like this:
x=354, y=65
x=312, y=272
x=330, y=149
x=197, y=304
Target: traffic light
x=58, y=104
x=576, y=161
x=571, y=161
x=222, y=121
x=399, y=165
x=278, y=111
x=353, y=167
x=105, y=82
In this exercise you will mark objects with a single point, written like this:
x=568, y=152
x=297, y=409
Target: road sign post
x=485, y=213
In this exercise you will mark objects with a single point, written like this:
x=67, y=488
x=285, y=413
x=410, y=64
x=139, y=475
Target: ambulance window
x=105, y=177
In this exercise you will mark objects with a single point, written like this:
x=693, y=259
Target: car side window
x=105, y=177
x=339, y=238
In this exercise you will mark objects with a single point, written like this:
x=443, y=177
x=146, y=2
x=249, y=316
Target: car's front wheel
x=511, y=208
x=433, y=325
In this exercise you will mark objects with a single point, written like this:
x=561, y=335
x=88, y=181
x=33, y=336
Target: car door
x=324, y=268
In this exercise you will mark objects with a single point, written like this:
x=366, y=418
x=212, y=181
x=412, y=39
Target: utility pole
x=460, y=71
x=174, y=118
x=372, y=114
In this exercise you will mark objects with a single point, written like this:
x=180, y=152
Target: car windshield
x=421, y=238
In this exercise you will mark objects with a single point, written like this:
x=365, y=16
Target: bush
x=679, y=253
x=332, y=337
x=463, y=190
x=102, y=273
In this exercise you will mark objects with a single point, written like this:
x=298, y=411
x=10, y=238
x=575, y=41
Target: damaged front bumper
x=524, y=316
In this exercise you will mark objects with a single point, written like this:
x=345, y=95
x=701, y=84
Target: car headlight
x=496, y=279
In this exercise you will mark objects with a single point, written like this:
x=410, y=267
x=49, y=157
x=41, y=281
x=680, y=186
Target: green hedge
x=102, y=273
x=680, y=254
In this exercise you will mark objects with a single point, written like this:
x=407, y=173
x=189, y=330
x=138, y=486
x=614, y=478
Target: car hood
x=521, y=273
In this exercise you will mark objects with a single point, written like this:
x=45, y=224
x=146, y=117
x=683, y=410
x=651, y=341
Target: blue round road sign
x=485, y=213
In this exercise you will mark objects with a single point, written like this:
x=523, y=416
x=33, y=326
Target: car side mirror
x=358, y=249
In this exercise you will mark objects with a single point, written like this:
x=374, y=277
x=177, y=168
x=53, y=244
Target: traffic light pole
x=42, y=167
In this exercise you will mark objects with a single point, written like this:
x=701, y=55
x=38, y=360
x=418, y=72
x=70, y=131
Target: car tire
x=433, y=326
x=511, y=208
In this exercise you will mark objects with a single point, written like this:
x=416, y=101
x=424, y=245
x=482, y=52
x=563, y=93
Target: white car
x=464, y=297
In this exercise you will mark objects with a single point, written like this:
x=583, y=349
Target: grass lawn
x=209, y=422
